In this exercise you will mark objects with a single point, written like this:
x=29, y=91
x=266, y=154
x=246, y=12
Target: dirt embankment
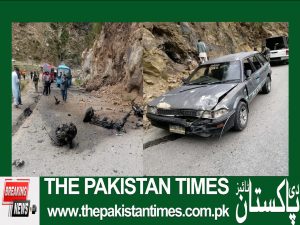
x=113, y=65
x=50, y=42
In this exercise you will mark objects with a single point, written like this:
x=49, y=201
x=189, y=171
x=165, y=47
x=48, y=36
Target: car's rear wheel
x=266, y=89
x=241, y=117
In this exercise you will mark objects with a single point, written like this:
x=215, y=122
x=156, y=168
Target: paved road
x=99, y=151
x=260, y=150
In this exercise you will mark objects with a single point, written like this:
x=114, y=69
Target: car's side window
x=248, y=66
x=255, y=62
x=262, y=59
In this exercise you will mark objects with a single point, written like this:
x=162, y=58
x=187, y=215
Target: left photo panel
x=77, y=99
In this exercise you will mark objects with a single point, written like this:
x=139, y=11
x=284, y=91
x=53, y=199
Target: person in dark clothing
x=46, y=80
x=49, y=84
x=64, y=87
x=19, y=98
x=266, y=52
x=31, y=75
x=35, y=81
x=69, y=79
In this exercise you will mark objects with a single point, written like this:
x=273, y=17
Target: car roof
x=231, y=57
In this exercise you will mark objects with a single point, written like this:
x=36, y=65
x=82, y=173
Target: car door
x=252, y=82
x=265, y=67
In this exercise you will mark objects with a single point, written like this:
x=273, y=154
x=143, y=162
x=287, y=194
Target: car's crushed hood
x=200, y=97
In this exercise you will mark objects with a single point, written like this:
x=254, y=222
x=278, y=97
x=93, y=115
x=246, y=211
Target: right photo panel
x=216, y=98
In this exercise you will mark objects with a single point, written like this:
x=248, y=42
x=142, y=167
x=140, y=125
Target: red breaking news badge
x=15, y=190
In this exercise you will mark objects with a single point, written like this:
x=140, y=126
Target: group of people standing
x=47, y=79
x=64, y=84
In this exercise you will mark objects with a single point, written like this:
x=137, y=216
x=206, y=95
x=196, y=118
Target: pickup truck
x=279, y=49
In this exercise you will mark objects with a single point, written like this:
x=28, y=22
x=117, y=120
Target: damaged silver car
x=215, y=97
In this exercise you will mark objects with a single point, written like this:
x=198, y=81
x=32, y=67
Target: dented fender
x=233, y=97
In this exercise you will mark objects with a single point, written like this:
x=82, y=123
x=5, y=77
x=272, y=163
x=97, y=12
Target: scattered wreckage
x=65, y=133
x=215, y=97
x=105, y=122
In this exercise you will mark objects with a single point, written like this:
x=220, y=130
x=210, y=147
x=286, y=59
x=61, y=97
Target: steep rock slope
x=50, y=42
x=115, y=58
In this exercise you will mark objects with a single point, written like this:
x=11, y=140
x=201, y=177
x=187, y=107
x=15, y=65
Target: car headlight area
x=151, y=109
x=214, y=114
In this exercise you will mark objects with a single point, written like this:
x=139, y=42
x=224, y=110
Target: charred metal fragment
x=119, y=125
x=56, y=101
x=138, y=110
x=102, y=122
x=89, y=114
x=18, y=163
x=27, y=112
x=65, y=133
x=105, y=122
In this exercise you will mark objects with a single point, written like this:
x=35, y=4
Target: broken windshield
x=216, y=73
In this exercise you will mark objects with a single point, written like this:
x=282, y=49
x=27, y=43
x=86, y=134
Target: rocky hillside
x=50, y=42
x=115, y=57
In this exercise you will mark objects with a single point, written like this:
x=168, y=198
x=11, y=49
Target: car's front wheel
x=266, y=89
x=241, y=117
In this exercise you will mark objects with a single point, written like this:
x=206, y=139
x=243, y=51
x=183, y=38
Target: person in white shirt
x=16, y=87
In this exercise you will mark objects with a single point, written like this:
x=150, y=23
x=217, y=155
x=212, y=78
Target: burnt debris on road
x=65, y=133
x=18, y=163
x=56, y=100
x=138, y=110
x=105, y=122
x=27, y=112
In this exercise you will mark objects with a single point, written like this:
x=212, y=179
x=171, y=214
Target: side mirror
x=248, y=73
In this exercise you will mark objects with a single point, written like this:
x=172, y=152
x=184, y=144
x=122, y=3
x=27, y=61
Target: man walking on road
x=202, y=51
x=49, y=84
x=16, y=87
x=46, y=79
x=64, y=87
x=35, y=81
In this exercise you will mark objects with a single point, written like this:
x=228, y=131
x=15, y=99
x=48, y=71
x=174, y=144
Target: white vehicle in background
x=279, y=49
